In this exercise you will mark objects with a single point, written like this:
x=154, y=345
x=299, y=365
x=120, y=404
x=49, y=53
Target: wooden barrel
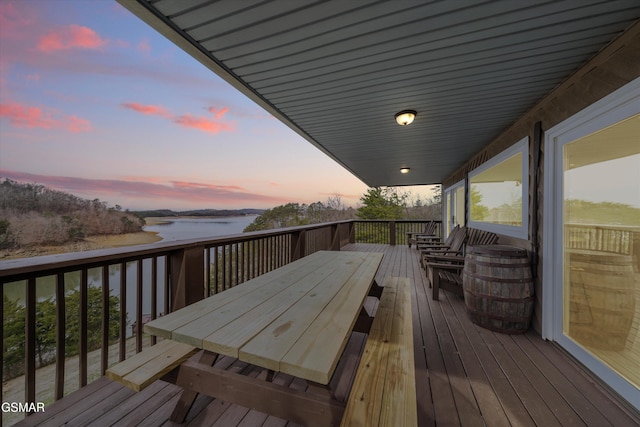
x=602, y=299
x=498, y=288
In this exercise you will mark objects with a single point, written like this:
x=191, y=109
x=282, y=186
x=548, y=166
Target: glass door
x=454, y=207
x=591, y=280
x=601, y=222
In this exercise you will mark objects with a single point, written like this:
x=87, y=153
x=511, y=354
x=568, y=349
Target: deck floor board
x=465, y=375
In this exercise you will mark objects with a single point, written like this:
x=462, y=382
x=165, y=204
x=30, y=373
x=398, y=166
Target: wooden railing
x=149, y=280
x=603, y=238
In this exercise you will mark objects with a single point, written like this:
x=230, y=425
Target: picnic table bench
x=384, y=389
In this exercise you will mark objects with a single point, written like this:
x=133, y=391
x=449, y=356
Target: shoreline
x=102, y=241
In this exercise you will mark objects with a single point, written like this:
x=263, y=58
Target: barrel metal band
x=497, y=279
x=501, y=299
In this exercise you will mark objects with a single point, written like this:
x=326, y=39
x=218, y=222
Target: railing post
x=392, y=233
x=335, y=237
x=187, y=276
x=298, y=244
x=352, y=232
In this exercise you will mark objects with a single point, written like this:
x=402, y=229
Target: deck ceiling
x=337, y=71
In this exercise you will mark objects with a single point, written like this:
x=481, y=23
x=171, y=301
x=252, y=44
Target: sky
x=96, y=103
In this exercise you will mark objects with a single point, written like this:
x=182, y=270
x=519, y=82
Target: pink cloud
x=187, y=120
x=34, y=117
x=174, y=193
x=71, y=37
x=203, y=123
x=76, y=124
x=144, y=46
x=200, y=186
x=151, y=110
x=218, y=113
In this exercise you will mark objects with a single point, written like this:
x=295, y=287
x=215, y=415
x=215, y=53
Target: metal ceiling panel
x=337, y=71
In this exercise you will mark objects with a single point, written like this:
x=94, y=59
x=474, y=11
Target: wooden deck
x=465, y=375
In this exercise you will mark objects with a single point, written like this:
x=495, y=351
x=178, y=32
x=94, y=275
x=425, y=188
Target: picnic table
x=294, y=320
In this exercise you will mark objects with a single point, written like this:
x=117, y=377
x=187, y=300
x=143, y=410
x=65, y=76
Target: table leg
x=375, y=290
x=188, y=396
x=363, y=322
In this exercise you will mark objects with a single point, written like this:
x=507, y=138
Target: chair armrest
x=449, y=254
x=439, y=266
x=429, y=248
x=445, y=259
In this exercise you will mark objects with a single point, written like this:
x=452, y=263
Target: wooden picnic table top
x=295, y=319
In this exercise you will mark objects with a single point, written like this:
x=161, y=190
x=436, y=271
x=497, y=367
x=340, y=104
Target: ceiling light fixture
x=405, y=170
x=405, y=117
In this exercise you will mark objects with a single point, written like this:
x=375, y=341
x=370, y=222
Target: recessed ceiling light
x=405, y=170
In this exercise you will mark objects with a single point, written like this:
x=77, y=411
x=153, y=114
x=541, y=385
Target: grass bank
x=87, y=244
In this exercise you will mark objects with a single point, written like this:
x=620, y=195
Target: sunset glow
x=96, y=103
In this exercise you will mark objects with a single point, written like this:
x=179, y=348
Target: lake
x=190, y=228
x=177, y=228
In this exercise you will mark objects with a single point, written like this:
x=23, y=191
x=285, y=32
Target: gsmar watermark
x=23, y=407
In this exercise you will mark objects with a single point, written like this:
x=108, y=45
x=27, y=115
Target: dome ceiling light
x=405, y=117
x=405, y=170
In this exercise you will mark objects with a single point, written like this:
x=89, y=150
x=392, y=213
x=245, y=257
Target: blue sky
x=95, y=102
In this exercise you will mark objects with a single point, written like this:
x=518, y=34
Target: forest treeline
x=376, y=203
x=32, y=214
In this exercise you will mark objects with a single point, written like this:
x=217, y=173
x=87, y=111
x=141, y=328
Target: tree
x=13, y=322
x=94, y=319
x=479, y=211
x=14, y=328
x=437, y=195
x=289, y=215
x=33, y=215
x=382, y=203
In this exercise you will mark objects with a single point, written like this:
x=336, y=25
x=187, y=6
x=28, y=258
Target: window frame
x=518, y=231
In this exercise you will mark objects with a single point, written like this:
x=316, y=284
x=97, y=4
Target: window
x=498, y=193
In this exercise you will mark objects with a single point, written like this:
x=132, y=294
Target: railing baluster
x=104, y=357
x=60, y=336
x=139, y=306
x=30, y=341
x=207, y=272
x=84, y=328
x=154, y=293
x=123, y=311
x=237, y=256
x=224, y=267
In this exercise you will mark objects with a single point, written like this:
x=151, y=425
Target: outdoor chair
x=453, y=244
x=429, y=231
x=445, y=271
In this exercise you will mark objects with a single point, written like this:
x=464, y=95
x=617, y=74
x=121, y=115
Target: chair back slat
x=458, y=240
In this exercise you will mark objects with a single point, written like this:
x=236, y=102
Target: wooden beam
x=294, y=405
